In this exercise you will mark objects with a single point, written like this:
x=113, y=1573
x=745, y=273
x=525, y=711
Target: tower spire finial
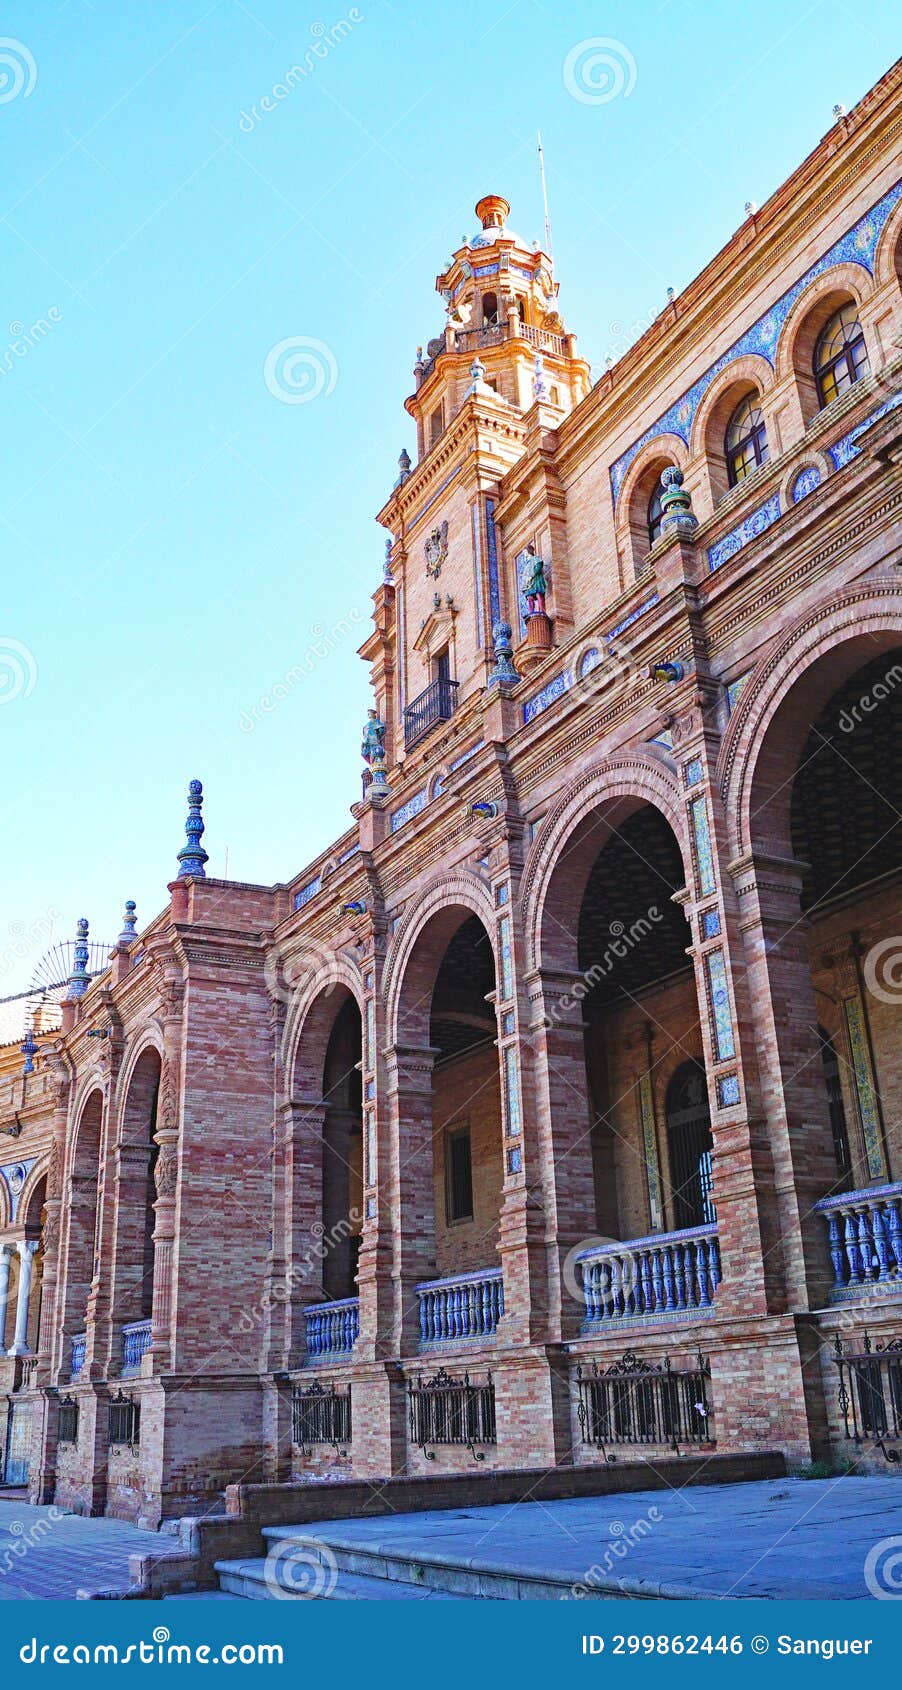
x=79, y=979
x=129, y=922
x=192, y=855
x=548, y=246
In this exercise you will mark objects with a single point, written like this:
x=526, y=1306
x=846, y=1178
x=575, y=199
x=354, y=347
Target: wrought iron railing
x=444, y=1410
x=320, y=1415
x=436, y=704
x=125, y=1421
x=638, y=1402
x=67, y=1426
x=332, y=1328
x=468, y=1306
x=135, y=1341
x=865, y=1229
x=870, y=1392
x=670, y=1273
x=79, y=1347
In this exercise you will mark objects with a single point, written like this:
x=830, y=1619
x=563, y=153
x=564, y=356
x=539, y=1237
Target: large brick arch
x=419, y=945
x=311, y=1017
x=784, y=695
x=888, y=257
x=611, y=792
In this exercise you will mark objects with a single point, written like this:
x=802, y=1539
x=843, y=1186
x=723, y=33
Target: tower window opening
x=490, y=317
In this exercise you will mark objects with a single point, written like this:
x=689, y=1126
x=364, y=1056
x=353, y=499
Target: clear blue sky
x=171, y=531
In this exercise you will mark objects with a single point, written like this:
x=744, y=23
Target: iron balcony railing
x=135, y=1341
x=437, y=704
x=865, y=1229
x=668, y=1274
x=332, y=1328
x=320, y=1415
x=638, y=1402
x=445, y=1410
x=469, y=1305
x=870, y=1392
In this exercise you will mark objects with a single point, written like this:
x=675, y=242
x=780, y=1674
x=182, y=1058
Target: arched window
x=746, y=440
x=837, y=1108
x=689, y=1146
x=840, y=356
x=655, y=513
x=490, y=311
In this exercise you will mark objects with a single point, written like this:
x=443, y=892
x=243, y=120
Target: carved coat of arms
x=436, y=550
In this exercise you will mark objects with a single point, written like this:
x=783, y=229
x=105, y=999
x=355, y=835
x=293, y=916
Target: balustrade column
x=27, y=1249
x=6, y=1255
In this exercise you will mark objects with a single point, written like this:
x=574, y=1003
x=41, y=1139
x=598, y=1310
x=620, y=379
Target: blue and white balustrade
x=469, y=1305
x=135, y=1340
x=865, y=1231
x=332, y=1328
x=668, y=1275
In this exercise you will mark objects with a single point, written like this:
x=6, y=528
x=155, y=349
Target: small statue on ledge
x=372, y=751
x=535, y=584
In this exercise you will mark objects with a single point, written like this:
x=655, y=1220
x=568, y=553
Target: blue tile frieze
x=412, y=808
x=857, y=246
x=634, y=615
x=540, y=701
x=307, y=892
x=805, y=482
x=492, y=547
x=749, y=529
x=846, y=449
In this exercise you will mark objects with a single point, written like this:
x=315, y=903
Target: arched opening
x=134, y=1265
x=745, y=440
x=731, y=431
x=490, y=317
x=342, y=1154
x=83, y=1213
x=829, y=351
x=645, y=513
x=689, y=1146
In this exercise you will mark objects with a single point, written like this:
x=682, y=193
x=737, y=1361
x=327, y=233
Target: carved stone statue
x=535, y=585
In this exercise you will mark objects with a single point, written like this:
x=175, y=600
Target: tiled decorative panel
x=735, y=688
x=504, y=941
x=703, y=854
x=634, y=615
x=751, y=526
x=650, y=1149
x=307, y=892
x=805, y=482
x=693, y=771
x=512, y=1092
x=465, y=756
x=728, y=1093
x=492, y=544
x=845, y=449
x=590, y=660
x=722, y=1027
x=710, y=924
x=412, y=808
x=865, y=1088
x=550, y=692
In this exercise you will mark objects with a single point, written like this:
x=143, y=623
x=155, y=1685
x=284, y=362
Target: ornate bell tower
x=493, y=386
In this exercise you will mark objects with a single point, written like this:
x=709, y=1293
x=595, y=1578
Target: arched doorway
x=342, y=1158
x=82, y=1216
x=134, y=1218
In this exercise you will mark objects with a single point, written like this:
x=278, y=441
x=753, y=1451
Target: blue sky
x=175, y=537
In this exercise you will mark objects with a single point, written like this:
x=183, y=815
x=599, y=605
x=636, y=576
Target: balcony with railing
x=436, y=704
x=865, y=1236
x=332, y=1328
x=468, y=1306
x=669, y=1276
x=135, y=1341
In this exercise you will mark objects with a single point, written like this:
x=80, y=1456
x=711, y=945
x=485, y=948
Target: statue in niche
x=535, y=584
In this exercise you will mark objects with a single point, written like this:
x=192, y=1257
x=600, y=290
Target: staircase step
x=441, y=1572
x=254, y=1581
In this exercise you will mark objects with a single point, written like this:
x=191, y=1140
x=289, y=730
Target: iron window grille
x=320, y=1415
x=636, y=1402
x=67, y=1429
x=870, y=1393
x=125, y=1421
x=445, y=1410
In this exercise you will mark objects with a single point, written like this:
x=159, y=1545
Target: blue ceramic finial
x=129, y=922
x=676, y=503
x=504, y=670
x=29, y=1050
x=192, y=855
x=79, y=979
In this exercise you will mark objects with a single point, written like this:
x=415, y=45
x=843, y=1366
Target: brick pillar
x=48, y=1347
x=116, y=1293
x=781, y=993
x=406, y=1190
x=375, y=1263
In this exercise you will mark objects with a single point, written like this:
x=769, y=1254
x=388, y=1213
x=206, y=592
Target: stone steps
x=254, y=1580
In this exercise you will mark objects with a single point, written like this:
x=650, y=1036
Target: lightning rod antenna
x=548, y=246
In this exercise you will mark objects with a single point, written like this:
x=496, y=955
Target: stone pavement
x=46, y=1553
x=776, y=1538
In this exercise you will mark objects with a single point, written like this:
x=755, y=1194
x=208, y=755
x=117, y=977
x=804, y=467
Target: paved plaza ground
x=769, y=1539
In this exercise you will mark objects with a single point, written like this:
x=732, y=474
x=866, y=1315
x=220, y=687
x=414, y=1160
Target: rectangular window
x=436, y=425
x=460, y=1176
x=443, y=665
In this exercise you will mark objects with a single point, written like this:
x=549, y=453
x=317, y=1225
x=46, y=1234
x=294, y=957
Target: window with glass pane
x=746, y=440
x=460, y=1176
x=840, y=357
x=655, y=514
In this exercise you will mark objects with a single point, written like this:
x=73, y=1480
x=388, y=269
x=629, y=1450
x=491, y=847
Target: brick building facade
x=582, y=1043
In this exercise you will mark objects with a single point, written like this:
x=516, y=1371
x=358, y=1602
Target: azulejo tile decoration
x=710, y=924
x=650, y=1148
x=665, y=739
x=492, y=550
x=805, y=482
x=307, y=892
x=634, y=615
x=857, y=246
x=512, y=1088
x=693, y=771
x=553, y=690
x=703, y=853
x=734, y=690
x=720, y=1006
x=412, y=808
x=845, y=450
x=751, y=526
x=728, y=1092
x=865, y=1088
x=466, y=755
x=590, y=660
